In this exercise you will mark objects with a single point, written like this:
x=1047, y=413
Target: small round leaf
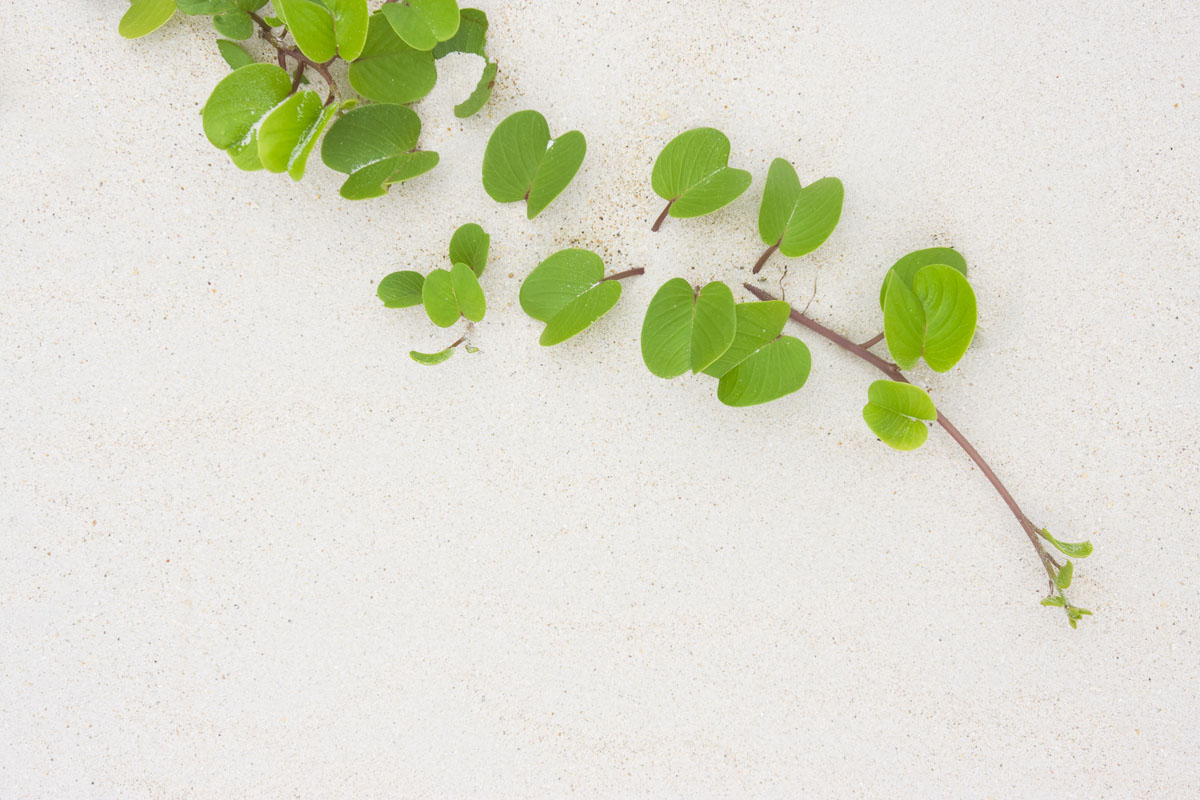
x=469, y=245
x=894, y=412
x=438, y=296
x=401, y=289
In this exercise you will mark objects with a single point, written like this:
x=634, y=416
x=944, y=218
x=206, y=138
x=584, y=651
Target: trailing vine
x=261, y=115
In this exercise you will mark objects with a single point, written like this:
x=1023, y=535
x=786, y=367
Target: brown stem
x=283, y=52
x=629, y=273
x=661, y=217
x=770, y=251
x=893, y=372
x=874, y=340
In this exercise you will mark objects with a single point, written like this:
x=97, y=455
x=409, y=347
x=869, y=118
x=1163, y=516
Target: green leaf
x=769, y=373
x=467, y=292
x=694, y=175
x=423, y=23
x=580, y=313
x=483, y=92
x=304, y=148
x=469, y=245
x=1074, y=550
x=683, y=330
x=401, y=289
x=797, y=219
x=894, y=412
x=936, y=318
x=235, y=24
x=237, y=104
x=908, y=266
x=430, y=359
x=950, y=314
x=517, y=165
x=233, y=53
x=281, y=130
x=1054, y=600
x=311, y=25
x=438, y=296
x=758, y=324
x=388, y=70
x=1063, y=579
x=350, y=22
x=373, y=145
x=471, y=36
x=144, y=17
x=568, y=293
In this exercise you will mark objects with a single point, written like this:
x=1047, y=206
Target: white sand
x=249, y=549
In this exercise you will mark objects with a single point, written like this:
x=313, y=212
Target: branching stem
x=283, y=52
x=893, y=372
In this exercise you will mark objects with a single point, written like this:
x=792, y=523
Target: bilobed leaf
x=694, y=175
x=774, y=370
x=908, y=266
x=311, y=25
x=578, y=315
x=467, y=292
x=797, y=219
x=423, y=23
x=144, y=17
x=950, y=314
x=568, y=293
x=894, y=412
x=281, y=130
x=438, y=296
x=237, y=104
x=401, y=289
x=388, y=70
x=469, y=245
x=234, y=54
x=519, y=165
x=430, y=359
x=373, y=145
x=758, y=323
x=1063, y=579
x=235, y=24
x=1072, y=549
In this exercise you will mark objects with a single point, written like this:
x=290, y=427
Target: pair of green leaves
x=738, y=343
x=929, y=309
x=1062, y=578
x=568, y=292
x=375, y=145
x=897, y=413
x=325, y=29
x=693, y=175
x=520, y=163
x=798, y=219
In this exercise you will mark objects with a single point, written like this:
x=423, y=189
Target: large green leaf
x=237, y=104
x=469, y=245
x=373, y=145
x=467, y=292
x=388, y=70
x=774, y=370
x=908, y=266
x=518, y=165
x=144, y=17
x=280, y=132
x=684, y=330
x=438, y=296
x=894, y=411
x=423, y=23
x=401, y=289
x=797, y=219
x=936, y=318
x=758, y=324
x=693, y=174
x=568, y=293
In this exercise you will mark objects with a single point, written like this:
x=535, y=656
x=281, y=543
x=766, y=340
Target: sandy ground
x=251, y=550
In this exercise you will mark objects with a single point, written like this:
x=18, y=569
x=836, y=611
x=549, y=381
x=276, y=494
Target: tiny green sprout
x=520, y=163
x=422, y=24
x=375, y=145
x=740, y=344
x=796, y=220
x=693, y=175
x=1074, y=550
x=1063, y=579
x=569, y=291
x=896, y=412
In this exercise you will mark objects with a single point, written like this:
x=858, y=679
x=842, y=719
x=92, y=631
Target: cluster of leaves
x=262, y=117
x=447, y=295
